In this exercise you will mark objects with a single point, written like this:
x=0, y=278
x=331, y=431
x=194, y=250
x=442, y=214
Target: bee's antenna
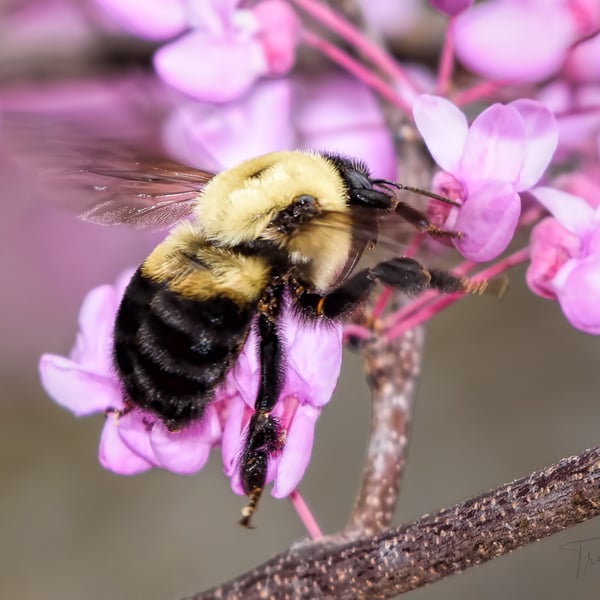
x=415, y=190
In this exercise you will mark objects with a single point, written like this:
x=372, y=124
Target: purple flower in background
x=565, y=257
x=282, y=114
x=522, y=40
x=134, y=440
x=583, y=63
x=578, y=116
x=505, y=151
x=221, y=51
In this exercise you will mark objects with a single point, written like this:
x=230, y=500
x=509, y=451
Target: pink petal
x=514, y=40
x=135, y=427
x=570, y=211
x=80, y=391
x=314, y=359
x=296, y=452
x=185, y=452
x=232, y=442
x=279, y=34
x=488, y=220
x=451, y=7
x=96, y=322
x=149, y=19
x=579, y=297
x=324, y=119
x=583, y=64
x=258, y=123
x=541, y=132
x=116, y=456
x=444, y=129
x=495, y=147
x=551, y=246
x=211, y=68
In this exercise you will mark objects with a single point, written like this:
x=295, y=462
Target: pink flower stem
x=381, y=303
x=357, y=331
x=433, y=306
x=357, y=69
x=482, y=90
x=386, y=294
x=306, y=516
x=359, y=42
x=446, y=60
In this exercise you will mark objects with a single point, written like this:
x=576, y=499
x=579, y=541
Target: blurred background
x=507, y=387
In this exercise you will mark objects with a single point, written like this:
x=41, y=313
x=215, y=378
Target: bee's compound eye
x=304, y=200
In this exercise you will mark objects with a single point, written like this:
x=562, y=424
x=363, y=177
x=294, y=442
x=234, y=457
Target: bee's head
x=273, y=198
x=293, y=202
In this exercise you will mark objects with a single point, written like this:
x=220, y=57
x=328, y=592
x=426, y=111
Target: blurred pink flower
x=505, y=151
x=282, y=114
x=522, y=40
x=451, y=7
x=583, y=63
x=134, y=440
x=577, y=113
x=221, y=51
x=565, y=257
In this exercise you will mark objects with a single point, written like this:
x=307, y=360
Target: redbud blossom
x=134, y=440
x=565, y=257
x=522, y=40
x=282, y=114
x=221, y=51
x=505, y=151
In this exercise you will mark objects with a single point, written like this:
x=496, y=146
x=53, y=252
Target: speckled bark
x=392, y=370
x=402, y=559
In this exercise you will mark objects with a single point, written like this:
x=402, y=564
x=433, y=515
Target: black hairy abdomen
x=171, y=352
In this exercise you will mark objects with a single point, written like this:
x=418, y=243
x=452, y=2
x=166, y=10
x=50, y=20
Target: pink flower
x=565, y=257
x=583, y=63
x=282, y=114
x=134, y=440
x=522, y=40
x=223, y=49
x=85, y=383
x=314, y=356
x=485, y=166
x=578, y=117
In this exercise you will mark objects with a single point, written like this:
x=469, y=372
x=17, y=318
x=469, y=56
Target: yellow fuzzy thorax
x=237, y=205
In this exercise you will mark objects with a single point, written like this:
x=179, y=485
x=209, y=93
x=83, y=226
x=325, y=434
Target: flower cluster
x=215, y=51
x=133, y=440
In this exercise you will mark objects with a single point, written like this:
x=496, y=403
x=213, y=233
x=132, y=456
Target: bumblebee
x=283, y=229
x=284, y=225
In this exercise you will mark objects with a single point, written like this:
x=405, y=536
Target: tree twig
x=435, y=546
x=392, y=370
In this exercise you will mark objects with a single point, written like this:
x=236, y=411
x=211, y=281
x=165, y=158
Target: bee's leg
x=264, y=437
x=377, y=199
x=403, y=274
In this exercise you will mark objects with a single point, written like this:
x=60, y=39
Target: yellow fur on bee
x=237, y=205
x=192, y=267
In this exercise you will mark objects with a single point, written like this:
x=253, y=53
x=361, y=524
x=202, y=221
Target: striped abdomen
x=171, y=351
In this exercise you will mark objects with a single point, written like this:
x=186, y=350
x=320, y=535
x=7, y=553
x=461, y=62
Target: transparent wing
x=103, y=177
